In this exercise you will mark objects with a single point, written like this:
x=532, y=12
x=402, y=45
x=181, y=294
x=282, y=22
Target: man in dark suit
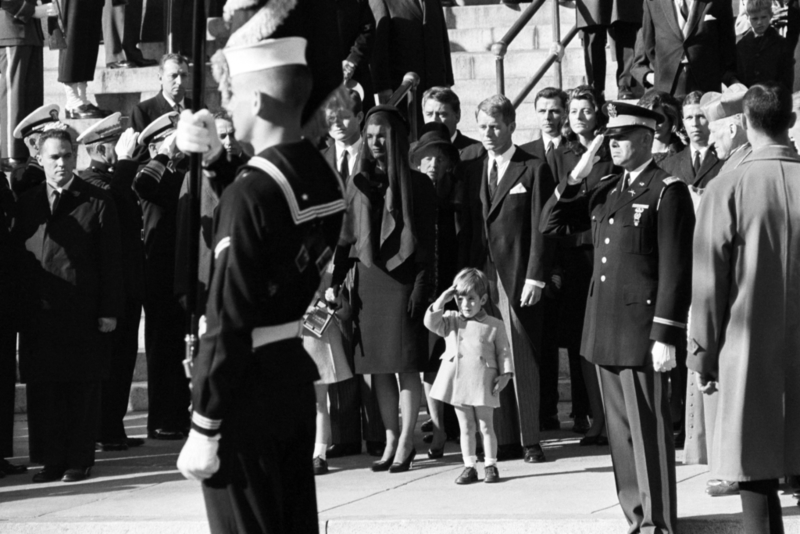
x=505, y=191
x=686, y=46
x=551, y=108
x=638, y=305
x=158, y=185
x=356, y=25
x=441, y=104
x=698, y=164
x=112, y=168
x=74, y=290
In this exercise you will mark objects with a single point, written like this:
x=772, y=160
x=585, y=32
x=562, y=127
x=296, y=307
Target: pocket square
x=518, y=189
x=709, y=17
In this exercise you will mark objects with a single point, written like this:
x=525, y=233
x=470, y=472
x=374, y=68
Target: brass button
x=611, y=220
x=604, y=260
x=608, y=241
x=603, y=278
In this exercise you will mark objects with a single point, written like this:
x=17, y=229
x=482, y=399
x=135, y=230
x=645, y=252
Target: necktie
x=684, y=10
x=344, y=169
x=178, y=107
x=493, y=179
x=550, y=156
x=56, y=199
x=697, y=162
x=625, y=179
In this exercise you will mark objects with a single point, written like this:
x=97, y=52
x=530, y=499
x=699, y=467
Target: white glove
x=663, y=357
x=126, y=144
x=198, y=459
x=197, y=133
x=587, y=161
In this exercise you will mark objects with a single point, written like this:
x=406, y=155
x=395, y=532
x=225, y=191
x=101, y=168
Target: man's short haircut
x=498, y=104
x=335, y=102
x=654, y=98
x=692, y=98
x=471, y=279
x=552, y=93
x=61, y=135
x=757, y=6
x=768, y=107
x=177, y=58
x=443, y=95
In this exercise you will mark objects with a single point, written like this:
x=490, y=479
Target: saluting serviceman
x=112, y=168
x=642, y=222
x=277, y=224
x=29, y=130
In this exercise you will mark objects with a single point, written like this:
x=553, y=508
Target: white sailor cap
x=161, y=127
x=102, y=130
x=266, y=54
x=36, y=121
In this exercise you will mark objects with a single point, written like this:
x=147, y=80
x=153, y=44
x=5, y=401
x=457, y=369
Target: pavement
x=141, y=491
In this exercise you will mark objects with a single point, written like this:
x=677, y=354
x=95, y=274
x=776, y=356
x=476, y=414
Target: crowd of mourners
x=463, y=266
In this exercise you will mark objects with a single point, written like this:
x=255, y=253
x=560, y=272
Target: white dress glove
x=197, y=132
x=198, y=459
x=126, y=145
x=663, y=357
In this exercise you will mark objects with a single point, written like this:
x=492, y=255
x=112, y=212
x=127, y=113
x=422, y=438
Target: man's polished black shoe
x=320, y=466
x=7, y=468
x=144, y=62
x=76, y=475
x=86, y=111
x=491, y=475
x=510, y=452
x=165, y=435
x=469, y=476
x=550, y=423
x=48, y=474
x=111, y=446
x=375, y=448
x=337, y=450
x=121, y=65
x=134, y=442
x=534, y=454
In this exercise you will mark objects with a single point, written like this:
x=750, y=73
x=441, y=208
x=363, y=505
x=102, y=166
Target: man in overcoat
x=687, y=48
x=642, y=222
x=72, y=268
x=745, y=330
x=505, y=192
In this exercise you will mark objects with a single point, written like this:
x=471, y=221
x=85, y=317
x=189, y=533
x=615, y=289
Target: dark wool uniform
x=158, y=185
x=8, y=333
x=640, y=293
x=275, y=233
x=32, y=176
x=125, y=338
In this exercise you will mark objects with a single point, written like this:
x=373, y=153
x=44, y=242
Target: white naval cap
x=161, y=127
x=36, y=121
x=102, y=130
x=266, y=54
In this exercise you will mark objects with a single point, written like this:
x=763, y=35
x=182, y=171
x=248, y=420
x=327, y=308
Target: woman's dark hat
x=435, y=134
x=624, y=117
x=386, y=109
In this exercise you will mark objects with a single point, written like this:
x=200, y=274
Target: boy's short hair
x=498, y=104
x=335, y=103
x=443, y=95
x=692, y=98
x=470, y=279
x=757, y=6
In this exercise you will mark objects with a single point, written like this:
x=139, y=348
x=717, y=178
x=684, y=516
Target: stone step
x=149, y=51
x=530, y=37
x=472, y=92
x=501, y=16
x=516, y=64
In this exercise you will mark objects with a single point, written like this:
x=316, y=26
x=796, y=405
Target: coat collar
x=772, y=152
x=638, y=187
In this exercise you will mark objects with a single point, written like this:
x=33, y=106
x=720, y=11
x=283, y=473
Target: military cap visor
x=103, y=130
x=36, y=121
x=159, y=128
x=624, y=117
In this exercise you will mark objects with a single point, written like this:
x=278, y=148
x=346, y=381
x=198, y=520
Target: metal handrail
x=500, y=48
x=408, y=90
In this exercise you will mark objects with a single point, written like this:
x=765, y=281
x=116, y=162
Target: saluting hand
x=197, y=133
x=587, y=161
x=126, y=144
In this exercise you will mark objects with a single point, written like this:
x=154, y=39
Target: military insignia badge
x=612, y=111
x=638, y=210
x=302, y=259
x=54, y=115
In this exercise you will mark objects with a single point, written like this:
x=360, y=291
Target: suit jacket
x=642, y=279
x=146, y=112
x=707, y=41
x=681, y=165
x=357, y=35
x=73, y=275
x=764, y=59
x=411, y=35
x=536, y=148
x=506, y=228
x=329, y=153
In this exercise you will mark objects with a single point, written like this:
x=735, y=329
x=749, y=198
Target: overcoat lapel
x=708, y=164
x=699, y=9
x=484, y=187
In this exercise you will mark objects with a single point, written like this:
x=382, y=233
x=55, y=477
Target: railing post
x=499, y=51
x=557, y=39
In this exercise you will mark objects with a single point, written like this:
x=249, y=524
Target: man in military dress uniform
x=642, y=222
x=277, y=224
x=113, y=169
x=29, y=130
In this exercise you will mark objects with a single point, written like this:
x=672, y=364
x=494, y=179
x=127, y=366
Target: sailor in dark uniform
x=642, y=222
x=29, y=129
x=112, y=168
x=277, y=225
x=158, y=185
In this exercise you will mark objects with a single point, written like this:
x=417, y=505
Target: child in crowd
x=328, y=352
x=476, y=366
x=762, y=54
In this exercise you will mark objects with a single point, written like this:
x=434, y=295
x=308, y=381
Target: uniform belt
x=264, y=335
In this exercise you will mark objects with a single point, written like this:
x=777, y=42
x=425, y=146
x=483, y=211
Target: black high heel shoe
x=381, y=465
x=405, y=465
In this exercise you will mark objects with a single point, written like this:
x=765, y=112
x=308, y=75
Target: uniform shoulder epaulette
x=671, y=180
x=302, y=207
x=607, y=176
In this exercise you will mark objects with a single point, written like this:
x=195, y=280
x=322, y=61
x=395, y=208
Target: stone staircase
x=473, y=29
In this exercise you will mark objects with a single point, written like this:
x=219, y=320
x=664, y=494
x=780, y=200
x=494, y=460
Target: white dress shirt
x=171, y=102
x=634, y=174
x=556, y=141
x=352, y=154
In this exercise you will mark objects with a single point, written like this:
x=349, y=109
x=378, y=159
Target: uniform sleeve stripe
x=155, y=169
x=224, y=243
x=668, y=322
x=206, y=423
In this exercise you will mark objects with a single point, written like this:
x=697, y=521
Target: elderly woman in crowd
x=584, y=122
x=388, y=233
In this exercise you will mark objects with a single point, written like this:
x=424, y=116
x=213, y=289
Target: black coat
x=357, y=34
x=709, y=46
x=536, y=148
x=72, y=273
x=32, y=176
x=642, y=281
x=146, y=112
x=680, y=165
x=768, y=58
x=410, y=36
